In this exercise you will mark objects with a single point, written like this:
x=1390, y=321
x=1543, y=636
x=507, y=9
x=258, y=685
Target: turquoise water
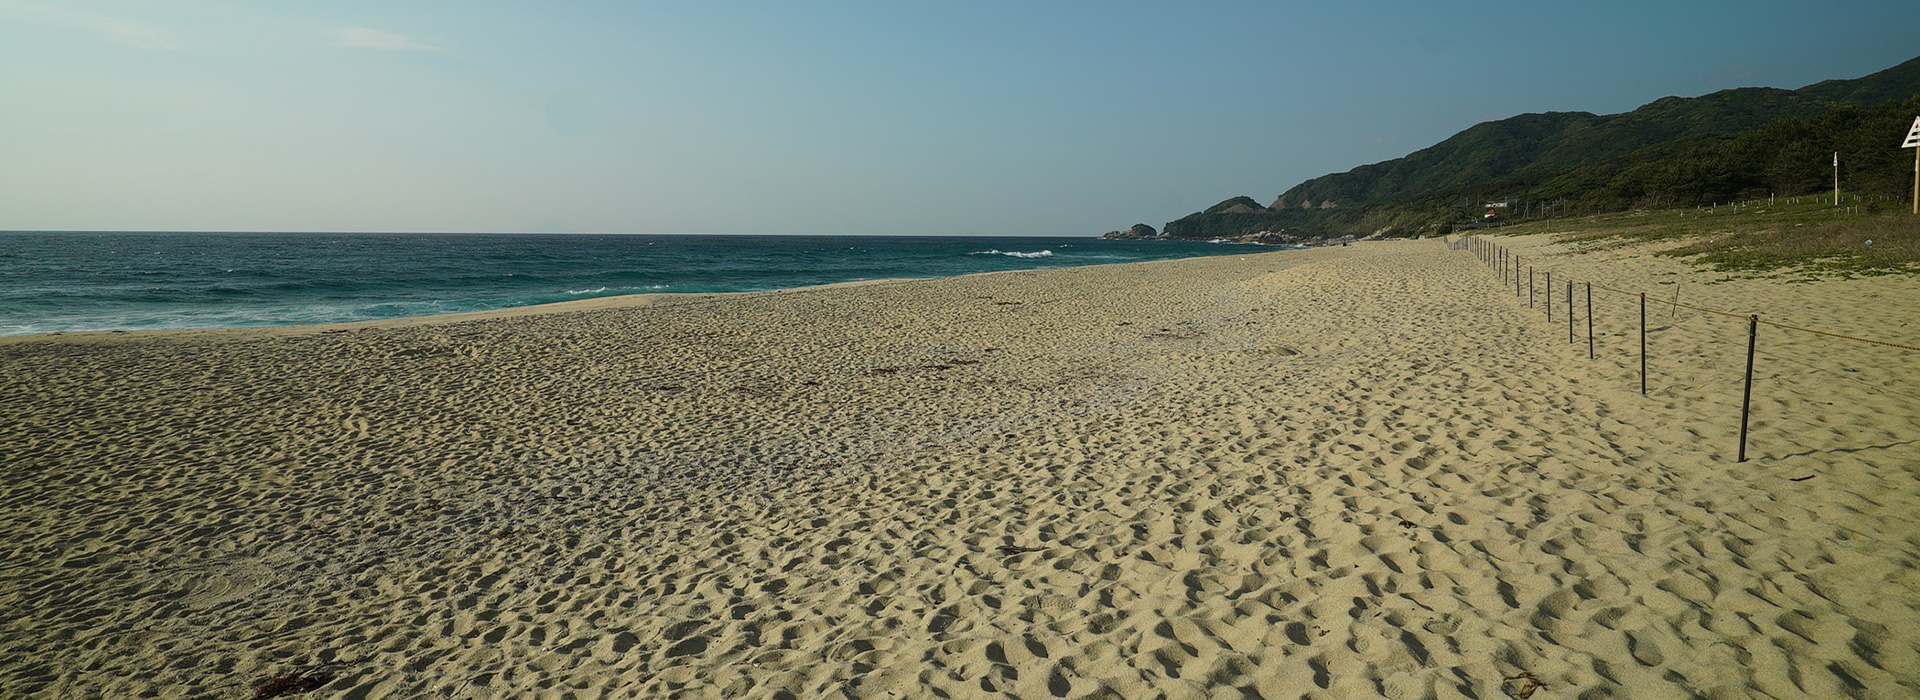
x=63, y=281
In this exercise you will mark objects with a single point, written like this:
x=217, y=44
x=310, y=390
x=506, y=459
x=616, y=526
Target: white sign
x=1913, y=136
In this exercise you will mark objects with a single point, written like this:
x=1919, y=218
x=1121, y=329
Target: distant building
x=1497, y=208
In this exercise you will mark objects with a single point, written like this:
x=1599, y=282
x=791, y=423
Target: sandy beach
x=1353, y=472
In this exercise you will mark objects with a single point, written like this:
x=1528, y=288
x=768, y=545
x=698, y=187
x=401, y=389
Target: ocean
x=71, y=281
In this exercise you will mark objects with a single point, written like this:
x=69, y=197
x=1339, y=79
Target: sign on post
x=1913, y=142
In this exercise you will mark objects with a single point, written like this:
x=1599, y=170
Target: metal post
x=1643, y=343
x=1590, y=354
x=1746, y=396
x=1529, y=286
x=1548, y=296
x=1569, y=312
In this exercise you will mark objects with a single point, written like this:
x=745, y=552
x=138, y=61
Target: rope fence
x=1538, y=284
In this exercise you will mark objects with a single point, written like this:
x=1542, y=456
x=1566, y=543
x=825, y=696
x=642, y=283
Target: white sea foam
x=1016, y=254
x=603, y=290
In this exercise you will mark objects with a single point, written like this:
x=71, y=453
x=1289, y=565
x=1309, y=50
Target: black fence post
x=1643, y=343
x=1549, y=296
x=1569, y=312
x=1746, y=395
x=1590, y=353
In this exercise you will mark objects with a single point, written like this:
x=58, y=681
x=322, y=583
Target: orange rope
x=1837, y=335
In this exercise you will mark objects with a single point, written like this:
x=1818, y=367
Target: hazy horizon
x=824, y=119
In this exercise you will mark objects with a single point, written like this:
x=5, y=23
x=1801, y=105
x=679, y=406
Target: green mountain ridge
x=1644, y=156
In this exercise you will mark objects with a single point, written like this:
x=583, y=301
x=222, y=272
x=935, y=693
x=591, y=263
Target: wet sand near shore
x=1333, y=473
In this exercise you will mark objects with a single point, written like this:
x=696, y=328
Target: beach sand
x=1346, y=472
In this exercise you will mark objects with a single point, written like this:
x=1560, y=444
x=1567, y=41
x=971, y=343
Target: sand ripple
x=1326, y=474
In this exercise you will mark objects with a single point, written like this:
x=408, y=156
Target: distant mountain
x=1559, y=154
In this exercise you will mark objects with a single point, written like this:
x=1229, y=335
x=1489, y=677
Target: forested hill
x=1532, y=148
x=1618, y=159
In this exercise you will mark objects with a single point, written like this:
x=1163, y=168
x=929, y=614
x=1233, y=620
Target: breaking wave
x=1015, y=253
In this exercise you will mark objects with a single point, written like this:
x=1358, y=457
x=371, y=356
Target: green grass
x=1806, y=237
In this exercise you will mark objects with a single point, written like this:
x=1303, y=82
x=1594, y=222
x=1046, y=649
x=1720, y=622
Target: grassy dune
x=1802, y=236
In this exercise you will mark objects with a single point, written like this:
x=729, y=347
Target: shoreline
x=1337, y=472
x=612, y=301
x=637, y=298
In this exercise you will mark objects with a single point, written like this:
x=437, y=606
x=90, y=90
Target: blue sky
x=1018, y=118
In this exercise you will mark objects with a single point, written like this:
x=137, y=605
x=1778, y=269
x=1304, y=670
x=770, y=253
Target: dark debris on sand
x=292, y=683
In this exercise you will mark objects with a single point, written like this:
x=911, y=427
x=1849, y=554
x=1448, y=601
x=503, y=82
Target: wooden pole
x=1836, y=178
x=1643, y=343
x=1746, y=396
x=1516, y=275
x=1590, y=354
x=1549, y=296
x=1916, y=178
x=1569, y=312
x=1529, y=286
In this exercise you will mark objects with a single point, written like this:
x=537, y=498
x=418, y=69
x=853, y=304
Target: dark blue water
x=122, y=281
